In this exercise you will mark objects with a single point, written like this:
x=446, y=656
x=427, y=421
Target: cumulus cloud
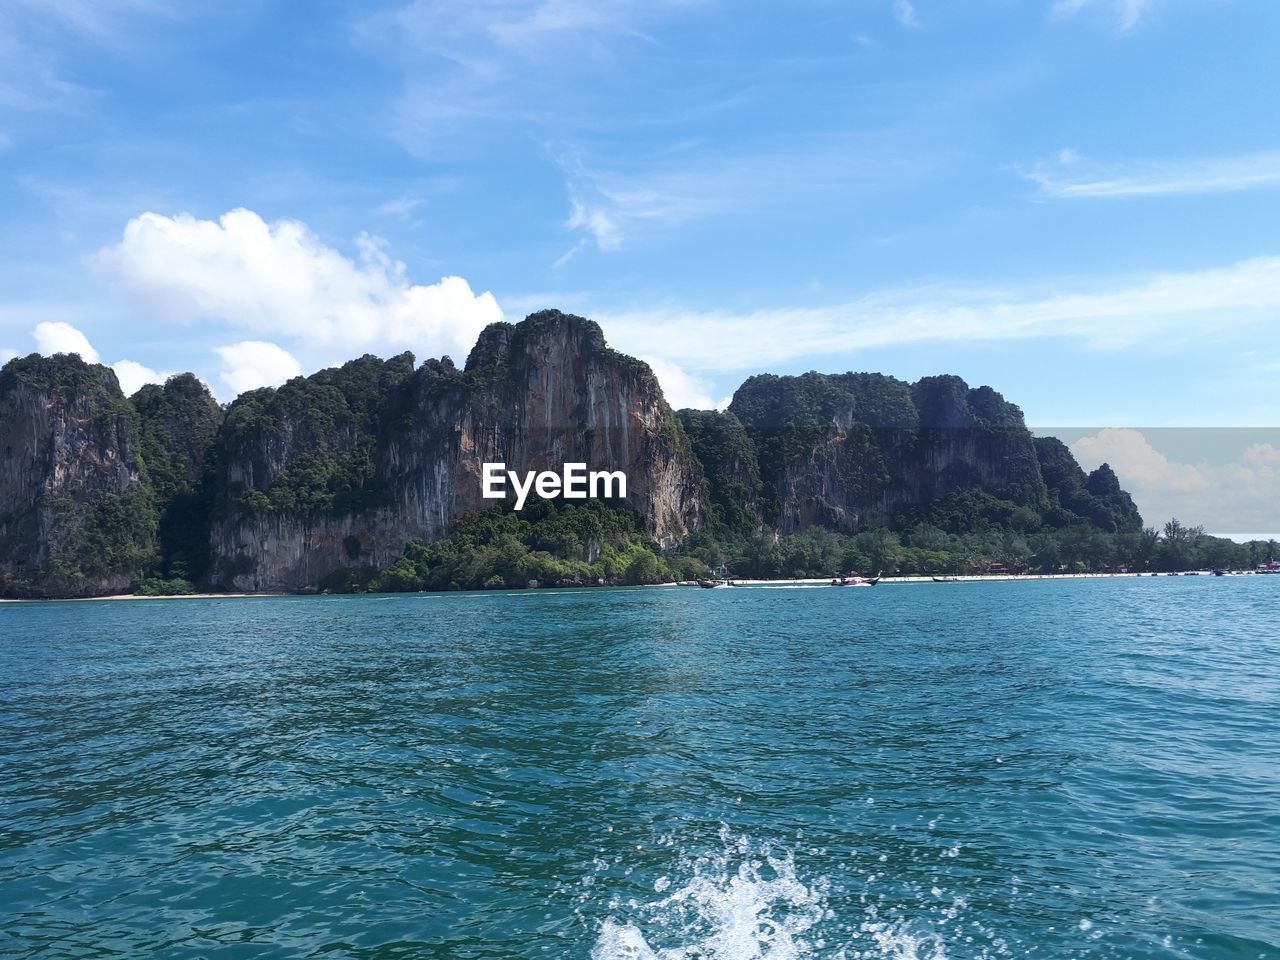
x=679, y=387
x=280, y=279
x=133, y=376
x=55, y=337
x=1238, y=496
x=58, y=337
x=254, y=363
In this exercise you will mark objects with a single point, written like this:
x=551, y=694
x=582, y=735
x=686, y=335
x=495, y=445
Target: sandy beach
x=137, y=596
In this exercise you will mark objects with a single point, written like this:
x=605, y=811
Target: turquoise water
x=1044, y=769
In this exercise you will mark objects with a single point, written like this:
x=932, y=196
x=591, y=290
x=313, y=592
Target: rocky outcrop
x=1096, y=496
x=341, y=469
x=731, y=493
x=177, y=425
x=294, y=488
x=849, y=451
x=76, y=518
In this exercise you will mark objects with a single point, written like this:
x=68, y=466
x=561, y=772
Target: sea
x=1052, y=769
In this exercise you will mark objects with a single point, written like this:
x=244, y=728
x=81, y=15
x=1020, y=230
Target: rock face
x=342, y=469
x=1096, y=496
x=290, y=488
x=76, y=518
x=177, y=425
x=849, y=451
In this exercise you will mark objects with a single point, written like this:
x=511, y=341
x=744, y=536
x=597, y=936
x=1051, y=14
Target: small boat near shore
x=853, y=580
x=946, y=579
x=714, y=584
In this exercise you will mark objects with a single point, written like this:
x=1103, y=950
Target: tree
x=1177, y=550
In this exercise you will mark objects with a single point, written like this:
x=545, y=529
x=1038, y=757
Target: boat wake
x=748, y=903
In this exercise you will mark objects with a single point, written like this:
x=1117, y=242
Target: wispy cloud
x=36, y=67
x=609, y=206
x=612, y=204
x=499, y=61
x=905, y=13
x=102, y=20
x=1071, y=176
x=1155, y=309
x=400, y=206
x=1128, y=13
x=526, y=27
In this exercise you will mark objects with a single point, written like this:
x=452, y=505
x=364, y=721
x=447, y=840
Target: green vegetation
x=64, y=374
x=786, y=418
x=1074, y=497
x=928, y=549
x=731, y=475
x=552, y=544
x=314, y=438
x=112, y=536
x=863, y=471
x=177, y=424
x=548, y=543
x=156, y=587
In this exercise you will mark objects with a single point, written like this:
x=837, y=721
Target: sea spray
x=748, y=900
x=742, y=903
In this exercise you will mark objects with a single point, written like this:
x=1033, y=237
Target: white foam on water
x=748, y=903
x=741, y=904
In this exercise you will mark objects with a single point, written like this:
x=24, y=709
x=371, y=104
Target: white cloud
x=679, y=387
x=1233, y=497
x=1070, y=177
x=254, y=363
x=1158, y=308
x=35, y=60
x=1128, y=13
x=609, y=206
x=59, y=337
x=55, y=337
x=401, y=206
x=525, y=27
x=279, y=279
x=614, y=203
x=905, y=13
x=595, y=220
x=103, y=20
x=496, y=61
x=133, y=376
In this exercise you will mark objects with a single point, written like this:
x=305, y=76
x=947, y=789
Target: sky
x=1073, y=201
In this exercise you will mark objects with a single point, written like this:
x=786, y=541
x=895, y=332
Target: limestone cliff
x=177, y=424
x=76, y=518
x=343, y=468
x=849, y=451
x=290, y=488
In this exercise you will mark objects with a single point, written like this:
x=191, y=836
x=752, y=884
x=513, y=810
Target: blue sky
x=1072, y=200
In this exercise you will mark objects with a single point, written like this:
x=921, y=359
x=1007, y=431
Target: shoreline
x=139, y=596
x=794, y=582
x=958, y=578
